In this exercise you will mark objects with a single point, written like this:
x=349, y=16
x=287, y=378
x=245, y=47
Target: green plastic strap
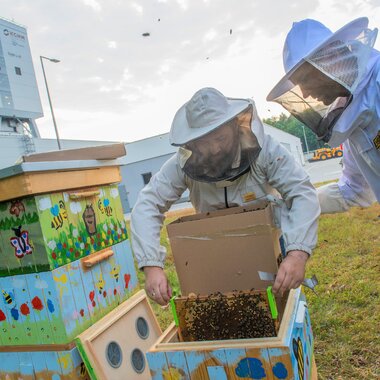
x=174, y=311
x=272, y=303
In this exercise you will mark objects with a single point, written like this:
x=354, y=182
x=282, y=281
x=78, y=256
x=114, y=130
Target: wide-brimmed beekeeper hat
x=207, y=110
x=307, y=41
x=342, y=57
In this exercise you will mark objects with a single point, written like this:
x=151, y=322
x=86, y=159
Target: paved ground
x=321, y=171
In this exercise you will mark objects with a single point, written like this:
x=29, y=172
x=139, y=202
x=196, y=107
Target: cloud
x=112, y=44
x=93, y=4
x=137, y=7
x=44, y=203
x=41, y=284
x=75, y=207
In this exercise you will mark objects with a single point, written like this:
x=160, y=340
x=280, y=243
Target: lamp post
x=48, y=93
x=304, y=135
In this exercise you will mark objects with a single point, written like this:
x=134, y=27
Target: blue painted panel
x=217, y=373
x=39, y=362
x=66, y=298
x=178, y=365
x=158, y=365
x=9, y=363
x=81, y=312
x=26, y=311
x=194, y=359
x=128, y=276
x=36, y=288
x=52, y=365
x=26, y=364
x=43, y=286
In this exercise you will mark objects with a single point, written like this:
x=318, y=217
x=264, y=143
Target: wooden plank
x=127, y=275
x=9, y=366
x=50, y=181
x=102, y=152
x=158, y=366
x=200, y=362
x=259, y=363
x=280, y=361
x=177, y=365
x=238, y=366
x=314, y=371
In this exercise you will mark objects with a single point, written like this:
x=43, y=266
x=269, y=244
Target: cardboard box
x=222, y=251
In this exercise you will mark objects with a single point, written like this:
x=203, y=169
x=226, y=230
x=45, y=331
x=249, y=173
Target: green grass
x=346, y=313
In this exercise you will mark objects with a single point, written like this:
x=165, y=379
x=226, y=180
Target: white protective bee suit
x=272, y=171
x=348, y=58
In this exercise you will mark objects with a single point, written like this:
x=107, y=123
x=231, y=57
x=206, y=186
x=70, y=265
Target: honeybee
x=8, y=298
x=100, y=283
x=104, y=206
x=115, y=272
x=59, y=215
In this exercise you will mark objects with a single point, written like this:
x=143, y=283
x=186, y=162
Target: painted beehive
x=287, y=356
x=42, y=232
x=65, y=364
x=114, y=348
x=53, y=307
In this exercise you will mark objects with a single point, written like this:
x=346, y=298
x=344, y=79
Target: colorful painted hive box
x=287, y=356
x=54, y=307
x=43, y=232
x=43, y=365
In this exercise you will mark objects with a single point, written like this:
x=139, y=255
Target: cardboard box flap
x=224, y=252
x=259, y=205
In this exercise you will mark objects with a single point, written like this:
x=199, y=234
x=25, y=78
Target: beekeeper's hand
x=157, y=285
x=291, y=272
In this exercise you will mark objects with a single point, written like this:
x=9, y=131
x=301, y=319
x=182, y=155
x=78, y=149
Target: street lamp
x=304, y=135
x=48, y=93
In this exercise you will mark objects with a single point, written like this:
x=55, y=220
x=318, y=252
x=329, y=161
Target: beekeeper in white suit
x=332, y=85
x=225, y=160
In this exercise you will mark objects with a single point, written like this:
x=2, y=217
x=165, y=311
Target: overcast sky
x=114, y=84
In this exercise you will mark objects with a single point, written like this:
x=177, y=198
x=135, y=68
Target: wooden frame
x=273, y=358
x=119, y=326
x=50, y=181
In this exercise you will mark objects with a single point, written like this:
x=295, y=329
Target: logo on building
x=13, y=34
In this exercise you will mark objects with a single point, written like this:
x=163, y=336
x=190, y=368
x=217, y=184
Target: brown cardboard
x=222, y=251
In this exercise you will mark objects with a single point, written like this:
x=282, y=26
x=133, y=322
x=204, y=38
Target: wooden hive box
x=43, y=362
x=114, y=348
x=53, y=307
x=43, y=232
x=222, y=251
x=289, y=355
x=222, y=316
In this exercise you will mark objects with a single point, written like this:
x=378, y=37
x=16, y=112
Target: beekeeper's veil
x=340, y=59
x=219, y=137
